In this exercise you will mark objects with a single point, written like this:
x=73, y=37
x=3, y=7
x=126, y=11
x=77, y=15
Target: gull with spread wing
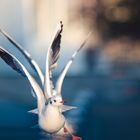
x=50, y=104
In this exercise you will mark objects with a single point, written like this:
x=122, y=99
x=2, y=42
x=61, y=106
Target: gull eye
x=50, y=102
x=54, y=100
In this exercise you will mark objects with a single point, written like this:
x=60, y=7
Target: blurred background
x=105, y=75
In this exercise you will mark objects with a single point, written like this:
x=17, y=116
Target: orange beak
x=62, y=102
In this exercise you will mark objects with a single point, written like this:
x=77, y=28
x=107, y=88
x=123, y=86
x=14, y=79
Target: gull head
x=56, y=100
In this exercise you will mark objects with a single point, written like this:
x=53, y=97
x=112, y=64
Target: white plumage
x=50, y=104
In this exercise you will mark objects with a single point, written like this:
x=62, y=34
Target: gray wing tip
x=3, y=32
x=1, y=50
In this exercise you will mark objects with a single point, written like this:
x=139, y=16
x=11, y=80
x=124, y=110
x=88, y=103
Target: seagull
x=50, y=103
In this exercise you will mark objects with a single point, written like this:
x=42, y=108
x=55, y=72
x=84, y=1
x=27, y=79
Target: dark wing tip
x=56, y=44
x=11, y=61
x=61, y=25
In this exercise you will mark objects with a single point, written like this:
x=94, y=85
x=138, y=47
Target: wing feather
x=67, y=66
x=11, y=62
x=31, y=61
x=55, y=46
x=16, y=65
x=51, y=60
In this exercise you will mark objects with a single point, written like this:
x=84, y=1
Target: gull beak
x=62, y=102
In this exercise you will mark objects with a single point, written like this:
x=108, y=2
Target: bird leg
x=73, y=137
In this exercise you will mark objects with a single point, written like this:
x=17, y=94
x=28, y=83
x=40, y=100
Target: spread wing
x=16, y=65
x=51, y=60
x=55, y=47
x=63, y=108
x=31, y=61
x=65, y=69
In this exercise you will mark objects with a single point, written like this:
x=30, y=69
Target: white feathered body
x=51, y=120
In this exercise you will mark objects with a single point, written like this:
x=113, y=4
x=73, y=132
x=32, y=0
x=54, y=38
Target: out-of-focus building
x=32, y=23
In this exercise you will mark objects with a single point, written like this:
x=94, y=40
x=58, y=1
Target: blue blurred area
x=104, y=81
x=108, y=107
